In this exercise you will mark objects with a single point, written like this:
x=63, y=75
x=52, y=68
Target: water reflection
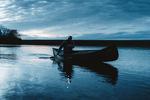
x=8, y=56
x=8, y=52
x=9, y=46
x=107, y=71
x=66, y=68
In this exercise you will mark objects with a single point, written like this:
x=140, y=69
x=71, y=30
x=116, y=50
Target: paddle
x=52, y=57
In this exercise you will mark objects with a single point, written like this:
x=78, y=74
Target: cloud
x=75, y=17
x=139, y=35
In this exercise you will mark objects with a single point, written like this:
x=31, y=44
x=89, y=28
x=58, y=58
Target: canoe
x=107, y=54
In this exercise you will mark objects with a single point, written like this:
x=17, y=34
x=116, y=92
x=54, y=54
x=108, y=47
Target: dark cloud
x=76, y=16
x=120, y=35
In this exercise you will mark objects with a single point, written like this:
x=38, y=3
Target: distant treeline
x=122, y=43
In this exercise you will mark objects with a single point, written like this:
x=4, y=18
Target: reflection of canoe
x=106, y=54
x=107, y=71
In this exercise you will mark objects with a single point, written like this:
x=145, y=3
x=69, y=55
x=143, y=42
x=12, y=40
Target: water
x=27, y=73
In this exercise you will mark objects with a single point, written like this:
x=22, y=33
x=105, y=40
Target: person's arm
x=61, y=46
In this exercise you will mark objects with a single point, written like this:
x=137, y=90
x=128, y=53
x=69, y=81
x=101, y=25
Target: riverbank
x=128, y=43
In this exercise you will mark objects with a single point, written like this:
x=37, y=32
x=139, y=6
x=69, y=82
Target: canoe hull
x=106, y=54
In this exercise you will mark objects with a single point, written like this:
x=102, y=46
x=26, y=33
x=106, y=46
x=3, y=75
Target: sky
x=83, y=19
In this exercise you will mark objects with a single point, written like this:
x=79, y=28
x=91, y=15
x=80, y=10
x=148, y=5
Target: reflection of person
x=67, y=46
x=67, y=69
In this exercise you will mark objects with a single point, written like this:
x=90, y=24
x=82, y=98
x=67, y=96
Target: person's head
x=70, y=38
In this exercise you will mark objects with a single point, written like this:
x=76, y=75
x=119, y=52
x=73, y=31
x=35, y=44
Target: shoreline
x=124, y=43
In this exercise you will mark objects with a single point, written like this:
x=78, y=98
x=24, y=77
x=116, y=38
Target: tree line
x=9, y=34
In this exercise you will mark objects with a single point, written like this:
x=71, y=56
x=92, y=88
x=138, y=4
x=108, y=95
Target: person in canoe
x=67, y=46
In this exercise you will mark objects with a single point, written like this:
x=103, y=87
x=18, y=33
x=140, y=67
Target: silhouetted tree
x=8, y=34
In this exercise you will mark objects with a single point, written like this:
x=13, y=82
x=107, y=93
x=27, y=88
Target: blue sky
x=80, y=18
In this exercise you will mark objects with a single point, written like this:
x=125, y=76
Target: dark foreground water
x=27, y=73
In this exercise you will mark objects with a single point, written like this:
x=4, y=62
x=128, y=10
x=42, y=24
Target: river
x=27, y=73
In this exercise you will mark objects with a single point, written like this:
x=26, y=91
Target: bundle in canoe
x=107, y=54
